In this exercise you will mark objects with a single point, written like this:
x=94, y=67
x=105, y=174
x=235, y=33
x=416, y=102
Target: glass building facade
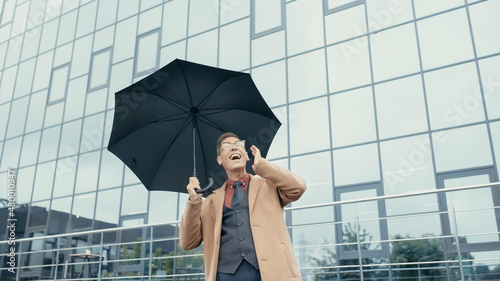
x=377, y=98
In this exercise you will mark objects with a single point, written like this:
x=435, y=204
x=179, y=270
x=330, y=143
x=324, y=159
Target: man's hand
x=257, y=156
x=193, y=184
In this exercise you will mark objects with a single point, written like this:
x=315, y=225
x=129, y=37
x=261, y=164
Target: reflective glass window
x=83, y=211
x=75, y=100
x=308, y=123
x=233, y=10
x=92, y=134
x=174, y=21
x=386, y=13
x=53, y=114
x=462, y=148
x=271, y=82
x=134, y=200
x=428, y=7
x=13, y=51
x=267, y=15
x=412, y=205
x=4, y=117
x=52, y=9
x=70, y=138
x=173, y=51
x=407, y=165
x=356, y=164
x=356, y=107
x=121, y=77
x=345, y=24
x=304, y=23
x=484, y=19
x=10, y=156
x=415, y=226
x=490, y=80
x=87, y=173
x=67, y=26
x=25, y=78
x=50, y=144
x=63, y=54
x=69, y=5
x=106, y=13
x=36, y=111
x=29, y=153
x=58, y=84
x=44, y=178
x=149, y=20
x=49, y=35
x=8, y=11
x=161, y=207
x=3, y=50
x=453, y=96
x=268, y=48
x=7, y=85
x=99, y=71
x=348, y=64
x=20, y=18
x=64, y=180
x=234, y=45
x=24, y=184
x=394, y=52
x=400, y=107
x=86, y=19
x=127, y=9
x=108, y=208
x=111, y=171
x=43, y=71
x=17, y=117
x=39, y=212
x=125, y=34
x=31, y=43
x=104, y=38
x=108, y=126
x=203, y=15
x=59, y=215
x=147, y=53
x=279, y=146
x=80, y=64
x=495, y=139
x=445, y=39
x=96, y=101
x=203, y=48
x=307, y=76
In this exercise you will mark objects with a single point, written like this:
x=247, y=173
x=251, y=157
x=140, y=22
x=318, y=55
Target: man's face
x=234, y=157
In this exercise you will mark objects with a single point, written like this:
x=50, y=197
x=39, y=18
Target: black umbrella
x=166, y=125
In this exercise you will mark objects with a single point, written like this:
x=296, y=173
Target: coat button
x=242, y=254
x=241, y=238
x=239, y=224
x=237, y=212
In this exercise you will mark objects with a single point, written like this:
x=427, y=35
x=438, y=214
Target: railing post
x=358, y=242
x=57, y=258
x=101, y=257
x=460, y=265
x=150, y=253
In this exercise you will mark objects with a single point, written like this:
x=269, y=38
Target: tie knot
x=237, y=184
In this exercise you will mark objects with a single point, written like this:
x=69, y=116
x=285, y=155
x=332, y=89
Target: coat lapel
x=217, y=205
x=254, y=188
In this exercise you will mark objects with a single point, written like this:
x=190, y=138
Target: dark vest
x=236, y=240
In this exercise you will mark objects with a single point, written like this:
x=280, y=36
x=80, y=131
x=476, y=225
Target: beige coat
x=268, y=194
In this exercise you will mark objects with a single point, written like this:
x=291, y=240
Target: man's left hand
x=257, y=156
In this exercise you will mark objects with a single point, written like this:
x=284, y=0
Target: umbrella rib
x=187, y=86
x=210, y=123
x=205, y=100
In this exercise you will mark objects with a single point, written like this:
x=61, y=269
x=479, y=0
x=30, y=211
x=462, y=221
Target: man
x=241, y=224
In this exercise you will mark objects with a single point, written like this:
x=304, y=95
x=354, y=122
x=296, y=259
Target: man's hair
x=223, y=137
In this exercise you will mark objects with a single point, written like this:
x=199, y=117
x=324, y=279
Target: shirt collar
x=244, y=179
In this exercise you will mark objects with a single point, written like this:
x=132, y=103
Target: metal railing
x=151, y=252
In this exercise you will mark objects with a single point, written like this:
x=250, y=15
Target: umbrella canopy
x=167, y=124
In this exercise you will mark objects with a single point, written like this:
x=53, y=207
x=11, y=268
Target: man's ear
x=219, y=160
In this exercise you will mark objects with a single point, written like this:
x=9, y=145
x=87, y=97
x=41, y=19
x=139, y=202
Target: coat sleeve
x=190, y=231
x=290, y=186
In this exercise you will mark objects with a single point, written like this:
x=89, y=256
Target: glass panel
x=88, y=169
x=361, y=121
x=58, y=84
x=174, y=21
x=67, y=26
x=99, y=73
x=17, y=117
x=50, y=142
x=394, y=52
x=268, y=48
x=367, y=213
x=162, y=207
x=36, y=111
x=106, y=13
x=407, y=165
x=125, y=34
x=427, y=7
x=233, y=10
x=490, y=78
x=470, y=205
x=495, y=140
x=400, y=107
x=203, y=48
x=111, y=171
x=267, y=15
x=104, y=38
x=86, y=19
x=7, y=85
x=31, y=43
x=483, y=19
x=203, y=15
x=150, y=20
x=13, y=51
x=29, y=152
x=43, y=71
x=121, y=77
x=25, y=177
x=271, y=81
x=127, y=9
x=4, y=117
x=309, y=126
x=64, y=181
x=49, y=35
x=445, y=39
x=83, y=211
x=96, y=101
x=453, y=96
x=348, y=65
x=8, y=11
x=412, y=205
x=307, y=76
x=332, y=4
x=356, y=164
x=75, y=100
x=234, y=45
x=279, y=146
x=3, y=50
x=38, y=213
x=304, y=22
x=20, y=18
x=134, y=200
x=386, y=13
x=82, y=51
x=108, y=209
x=462, y=148
x=69, y=5
x=11, y=153
x=43, y=181
x=53, y=114
x=53, y=9
x=25, y=78
x=92, y=133
x=425, y=225
x=345, y=24
x=147, y=53
x=70, y=138
x=59, y=215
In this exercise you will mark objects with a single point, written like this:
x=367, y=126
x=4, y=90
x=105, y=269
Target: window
x=147, y=53
x=58, y=84
x=332, y=6
x=99, y=69
x=267, y=16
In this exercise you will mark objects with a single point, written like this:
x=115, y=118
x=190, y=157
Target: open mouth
x=235, y=157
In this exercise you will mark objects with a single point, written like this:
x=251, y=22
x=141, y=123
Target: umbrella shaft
x=194, y=152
